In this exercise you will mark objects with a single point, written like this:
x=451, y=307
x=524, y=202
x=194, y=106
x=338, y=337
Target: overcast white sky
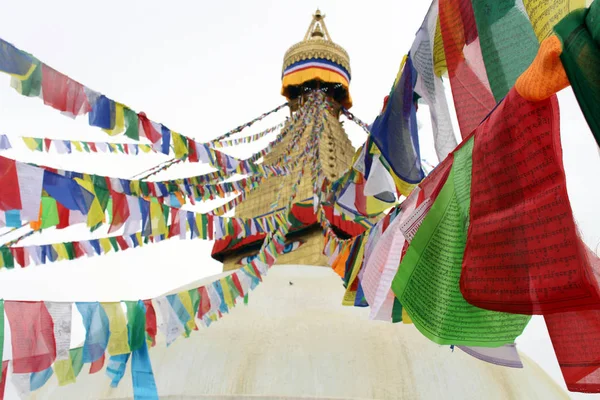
x=203, y=68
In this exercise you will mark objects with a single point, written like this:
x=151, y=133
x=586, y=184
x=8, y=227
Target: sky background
x=203, y=68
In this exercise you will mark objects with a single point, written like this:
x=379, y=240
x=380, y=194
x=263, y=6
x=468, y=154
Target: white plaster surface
x=297, y=341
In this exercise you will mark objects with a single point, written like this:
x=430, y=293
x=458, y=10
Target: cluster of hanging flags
x=488, y=235
x=146, y=211
x=41, y=331
x=32, y=78
x=122, y=335
x=62, y=146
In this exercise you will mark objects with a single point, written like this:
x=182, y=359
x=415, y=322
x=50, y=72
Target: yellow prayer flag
x=179, y=146
x=31, y=143
x=200, y=225
x=226, y=292
x=118, y=340
x=405, y=317
x=64, y=372
x=545, y=14
x=439, y=55
x=119, y=121
x=186, y=300
x=157, y=218
x=134, y=187
x=61, y=251
x=95, y=214
x=144, y=147
x=77, y=146
x=105, y=244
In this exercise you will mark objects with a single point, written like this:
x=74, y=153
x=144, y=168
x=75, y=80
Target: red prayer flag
x=18, y=254
x=175, y=223
x=523, y=253
x=150, y=321
x=575, y=336
x=471, y=91
x=122, y=243
x=32, y=334
x=204, y=302
x=147, y=129
x=63, y=216
x=210, y=227
x=63, y=93
x=10, y=196
x=193, y=154
x=3, y=379
x=120, y=211
x=79, y=252
x=97, y=365
x=256, y=271
x=238, y=284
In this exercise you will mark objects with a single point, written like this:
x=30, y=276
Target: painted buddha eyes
x=288, y=248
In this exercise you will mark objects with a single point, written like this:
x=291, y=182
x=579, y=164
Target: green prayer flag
x=86, y=147
x=76, y=356
x=232, y=289
x=166, y=211
x=136, y=324
x=32, y=86
x=70, y=250
x=204, y=226
x=7, y=258
x=246, y=299
x=109, y=208
x=396, y=311
x=579, y=33
x=103, y=195
x=195, y=296
x=63, y=370
x=508, y=42
x=131, y=123
x=427, y=282
x=49, y=212
x=463, y=167
x=114, y=244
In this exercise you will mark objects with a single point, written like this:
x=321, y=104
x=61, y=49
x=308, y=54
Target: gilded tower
x=315, y=63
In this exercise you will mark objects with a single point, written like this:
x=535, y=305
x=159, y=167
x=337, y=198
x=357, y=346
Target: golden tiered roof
x=316, y=61
x=317, y=43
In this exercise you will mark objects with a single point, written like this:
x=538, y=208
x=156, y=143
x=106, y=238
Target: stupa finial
x=317, y=27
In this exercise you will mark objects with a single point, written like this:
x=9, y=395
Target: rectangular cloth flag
x=32, y=335
x=429, y=85
x=427, y=282
x=522, y=235
x=579, y=33
x=395, y=133
x=508, y=43
x=471, y=92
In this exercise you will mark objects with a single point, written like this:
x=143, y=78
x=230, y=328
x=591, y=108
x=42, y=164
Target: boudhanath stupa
x=294, y=339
